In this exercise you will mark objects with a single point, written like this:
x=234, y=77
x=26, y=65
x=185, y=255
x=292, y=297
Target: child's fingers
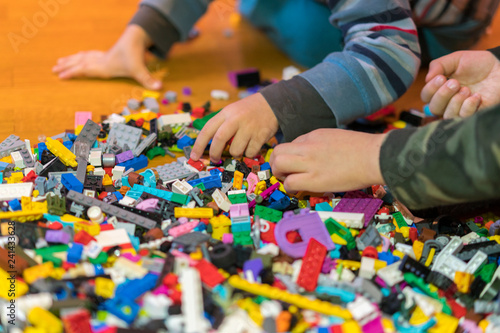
x=253, y=147
x=431, y=88
x=72, y=72
x=221, y=137
x=453, y=108
x=297, y=182
x=445, y=65
x=284, y=165
x=239, y=143
x=470, y=105
x=144, y=77
x=443, y=96
x=205, y=135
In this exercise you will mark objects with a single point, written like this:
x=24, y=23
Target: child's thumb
x=144, y=77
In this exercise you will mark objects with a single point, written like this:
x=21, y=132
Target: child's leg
x=300, y=28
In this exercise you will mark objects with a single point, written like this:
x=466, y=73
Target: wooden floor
x=34, y=102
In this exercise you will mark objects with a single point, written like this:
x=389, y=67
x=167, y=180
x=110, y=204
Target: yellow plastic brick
x=284, y=296
x=238, y=180
x=220, y=226
x=194, y=213
x=34, y=273
x=430, y=257
x=91, y=228
x=351, y=326
x=418, y=247
x=150, y=94
x=268, y=155
x=418, y=317
x=45, y=320
x=445, y=324
x=463, y=281
x=64, y=154
x=104, y=287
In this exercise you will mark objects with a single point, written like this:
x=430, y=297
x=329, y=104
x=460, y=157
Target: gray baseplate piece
x=174, y=170
x=12, y=143
x=111, y=210
x=122, y=135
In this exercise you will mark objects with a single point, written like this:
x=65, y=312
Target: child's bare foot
x=124, y=59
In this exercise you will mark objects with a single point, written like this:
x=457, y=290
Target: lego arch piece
x=308, y=225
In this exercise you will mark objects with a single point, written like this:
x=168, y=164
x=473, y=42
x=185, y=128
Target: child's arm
x=156, y=26
x=472, y=85
x=379, y=62
x=445, y=162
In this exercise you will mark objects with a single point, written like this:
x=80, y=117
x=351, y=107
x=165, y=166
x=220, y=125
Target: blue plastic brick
x=323, y=207
x=265, y=166
x=41, y=148
x=208, y=182
x=185, y=141
x=15, y=205
x=75, y=253
x=166, y=195
x=125, y=309
x=71, y=182
x=68, y=144
x=276, y=196
x=136, y=163
x=132, y=289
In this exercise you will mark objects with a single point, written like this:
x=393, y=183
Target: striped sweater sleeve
x=380, y=59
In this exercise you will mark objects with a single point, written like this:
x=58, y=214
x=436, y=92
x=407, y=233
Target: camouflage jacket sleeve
x=445, y=162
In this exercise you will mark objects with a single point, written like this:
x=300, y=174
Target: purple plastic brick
x=57, y=236
x=308, y=226
x=255, y=266
x=367, y=206
x=356, y=195
x=125, y=156
x=186, y=91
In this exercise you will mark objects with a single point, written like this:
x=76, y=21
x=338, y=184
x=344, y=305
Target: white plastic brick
x=15, y=191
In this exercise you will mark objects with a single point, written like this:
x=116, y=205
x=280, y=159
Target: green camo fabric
x=445, y=162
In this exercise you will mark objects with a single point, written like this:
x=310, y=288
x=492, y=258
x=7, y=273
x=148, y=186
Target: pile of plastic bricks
x=92, y=240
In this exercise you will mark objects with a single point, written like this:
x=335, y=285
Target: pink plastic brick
x=81, y=117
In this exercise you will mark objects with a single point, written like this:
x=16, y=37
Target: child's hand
x=474, y=83
x=250, y=121
x=124, y=59
x=327, y=160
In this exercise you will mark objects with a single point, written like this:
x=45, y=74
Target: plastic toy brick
x=182, y=229
x=409, y=265
x=174, y=170
x=265, y=194
x=490, y=248
x=237, y=210
x=45, y=320
x=335, y=228
x=15, y=191
x=63, y=153
x=77, y=322
x=209, y=274
x=74, y=253
x=311, y=265
x=136, y=163
x=238, y=180
x=124, y=136
x=27, y=158
x=194, y=213
x=370, y=237
x=240, y=223
x=308, y=225
x=6, y=279
x=478, y=260
x=12, y=143
x=166, y=195
x=268, y=214
x=111, y=210
x=57, y=236
x=221, y=200
x=174, y=120
x=71, y=182
x=31, y=211
x=123, y=157
x=34, y=273
x=88, y=134
x=148, y=141
x=208, y=182
x=399, y=220
x=297, y=300
x=237, y=197
x=369, y=207
x=125, y=309
x=220, y=225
